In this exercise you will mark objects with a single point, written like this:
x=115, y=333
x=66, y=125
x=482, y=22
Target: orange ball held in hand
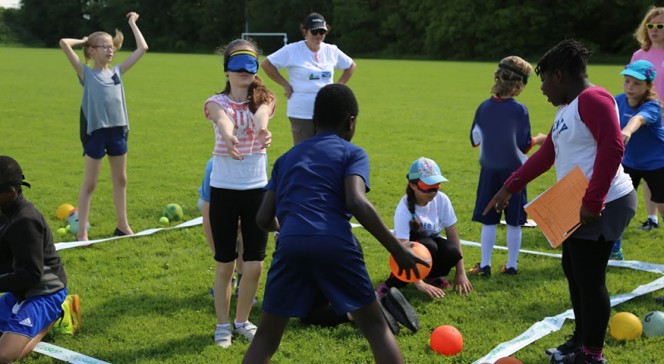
x=422, y=252
x=446, y=340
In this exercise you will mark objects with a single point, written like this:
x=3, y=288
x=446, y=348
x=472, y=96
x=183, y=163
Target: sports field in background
x=146, y=300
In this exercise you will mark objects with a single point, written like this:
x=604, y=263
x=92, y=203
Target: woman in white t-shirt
x=421, y=216
x=310, y=64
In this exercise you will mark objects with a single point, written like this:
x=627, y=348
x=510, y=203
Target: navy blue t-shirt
x=502, y=130
x=308, y=182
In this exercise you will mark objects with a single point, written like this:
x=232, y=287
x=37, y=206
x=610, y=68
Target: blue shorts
x=111, y=141
x=31, y=316
x=304, y=265
x=490, y=183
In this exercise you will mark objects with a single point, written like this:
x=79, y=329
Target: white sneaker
x=248, y=331
x=222, y=336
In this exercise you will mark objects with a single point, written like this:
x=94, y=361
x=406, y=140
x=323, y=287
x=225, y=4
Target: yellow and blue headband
x=242, y=61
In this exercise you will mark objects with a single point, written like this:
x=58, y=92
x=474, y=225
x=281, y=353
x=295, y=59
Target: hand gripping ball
x=653, y=324
x=422, y=252
x=173, y=212
x=63, y=211
x=446, y=340
x=625, y=326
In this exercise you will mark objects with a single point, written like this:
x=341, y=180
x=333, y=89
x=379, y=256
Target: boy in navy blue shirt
x=315, y=189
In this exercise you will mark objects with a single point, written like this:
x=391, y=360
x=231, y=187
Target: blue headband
x=242, y=61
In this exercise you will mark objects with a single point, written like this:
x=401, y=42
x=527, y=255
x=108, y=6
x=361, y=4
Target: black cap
x=11, y=174
x=314, y=21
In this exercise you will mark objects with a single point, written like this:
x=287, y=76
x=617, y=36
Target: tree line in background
x=428, y=29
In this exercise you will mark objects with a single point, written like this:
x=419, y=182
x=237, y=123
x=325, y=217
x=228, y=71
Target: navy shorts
x=32, y=315
x=303, y=266
x=111, y=141
x=491, y=181
x=654, y=179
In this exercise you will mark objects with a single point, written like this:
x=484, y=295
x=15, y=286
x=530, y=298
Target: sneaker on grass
x=572, y=345
x=649, y=225
x=481, y=271
x=617, y=255
x=396, y=304
x=391, y=321
x=248, y=331
x=509, y=271
x=222, y=336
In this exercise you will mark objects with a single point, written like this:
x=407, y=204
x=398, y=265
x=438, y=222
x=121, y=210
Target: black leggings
x=584, y=263
x=226, y=207
x=444, y=256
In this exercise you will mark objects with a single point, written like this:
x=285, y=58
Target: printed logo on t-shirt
x=116, y=79
x=314, y=76
x=559, y=126
x=26, y=322
x=326, y=74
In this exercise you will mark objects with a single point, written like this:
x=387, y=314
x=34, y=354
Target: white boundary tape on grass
x=534, y=333
x=555, y=323
x=65, y=355
x=75, y=244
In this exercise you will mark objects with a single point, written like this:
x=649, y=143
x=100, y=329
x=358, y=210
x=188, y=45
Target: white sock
x=653, y=218
x=513, y=245
x=239, y=325
x=488, y=240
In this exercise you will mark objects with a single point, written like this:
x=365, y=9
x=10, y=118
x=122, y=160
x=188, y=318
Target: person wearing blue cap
x=643, y=133
x=650, y=35
x=421, y=215
x=310, y=64
x=240, y=115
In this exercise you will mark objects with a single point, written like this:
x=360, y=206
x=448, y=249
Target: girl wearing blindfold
x=240, y=115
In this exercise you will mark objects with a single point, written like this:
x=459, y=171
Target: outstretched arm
x=220, y=119
x=141, y=45
x=461, y=282
x=358, y=205
x=266, y=218
x=66, y=44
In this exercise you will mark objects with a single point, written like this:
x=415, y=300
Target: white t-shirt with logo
x=434, y=216
x=308, y=72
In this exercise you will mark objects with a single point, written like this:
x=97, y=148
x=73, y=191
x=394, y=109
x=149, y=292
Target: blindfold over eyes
x=242, y=61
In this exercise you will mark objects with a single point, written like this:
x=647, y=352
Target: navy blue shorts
x=31, y=316
x=111, y=141
x=302, y=266
x=491, y=181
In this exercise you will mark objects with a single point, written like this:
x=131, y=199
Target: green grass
x=146, y=299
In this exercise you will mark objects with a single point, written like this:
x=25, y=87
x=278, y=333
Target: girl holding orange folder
x=585, y=133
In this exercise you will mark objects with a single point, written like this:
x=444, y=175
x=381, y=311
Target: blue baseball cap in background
x=426, y=170
x=641, y=70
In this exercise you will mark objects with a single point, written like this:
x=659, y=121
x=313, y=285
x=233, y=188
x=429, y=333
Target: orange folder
x=556, y=210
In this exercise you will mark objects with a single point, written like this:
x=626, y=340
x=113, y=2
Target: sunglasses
x=425, y=188
x=655, y=25
x=105, y=46
x=318, y=31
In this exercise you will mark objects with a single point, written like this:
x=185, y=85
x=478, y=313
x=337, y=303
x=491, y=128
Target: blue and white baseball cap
x=425, y=170
x=641, y=70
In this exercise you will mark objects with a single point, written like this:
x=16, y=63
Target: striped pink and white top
x=244, y=127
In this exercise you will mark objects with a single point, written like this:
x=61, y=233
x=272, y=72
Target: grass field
x=146, y=299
